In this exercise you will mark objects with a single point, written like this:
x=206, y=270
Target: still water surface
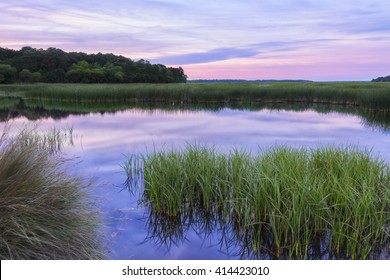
x=102, y=143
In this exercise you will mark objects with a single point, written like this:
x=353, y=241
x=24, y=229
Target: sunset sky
x=215, y=39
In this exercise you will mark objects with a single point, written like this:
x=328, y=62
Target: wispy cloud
x=208, y=56
x=259, y=50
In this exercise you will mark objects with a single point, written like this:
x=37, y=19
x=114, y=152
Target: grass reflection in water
x=330, y=202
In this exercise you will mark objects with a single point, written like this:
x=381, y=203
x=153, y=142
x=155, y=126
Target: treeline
x=30, y=65
x=382, y=79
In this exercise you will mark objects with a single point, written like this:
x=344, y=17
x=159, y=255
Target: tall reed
x=373, y=96
x=293, y=198
x=45, y=212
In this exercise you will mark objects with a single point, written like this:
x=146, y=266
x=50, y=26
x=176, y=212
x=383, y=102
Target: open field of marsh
x=374, y=96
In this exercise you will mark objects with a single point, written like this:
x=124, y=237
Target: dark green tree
x=56, y=66
x=7, y=74
x=83, y=72
x=114, y=74
x=382, y=79
x=25, y=76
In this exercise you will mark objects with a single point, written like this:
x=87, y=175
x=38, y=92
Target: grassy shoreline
x=373, y=96
x=34, y=109
x=339, y=196
x=45, y=212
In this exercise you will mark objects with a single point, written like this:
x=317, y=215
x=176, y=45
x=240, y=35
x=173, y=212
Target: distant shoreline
x=246, y=81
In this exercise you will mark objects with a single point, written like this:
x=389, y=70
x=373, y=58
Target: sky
x=332, y=40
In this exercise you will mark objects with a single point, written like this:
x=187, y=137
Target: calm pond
x=104, y=141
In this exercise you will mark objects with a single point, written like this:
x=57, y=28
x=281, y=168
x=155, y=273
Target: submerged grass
x=373, y=96
x=45, y=213
x=338, y=196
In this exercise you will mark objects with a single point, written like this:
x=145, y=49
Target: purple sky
x=246, y=39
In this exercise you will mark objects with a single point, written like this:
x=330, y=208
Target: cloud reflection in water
x=102, y=143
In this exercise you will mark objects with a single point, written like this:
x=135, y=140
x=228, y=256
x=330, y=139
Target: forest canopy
x=382, y=79
x=30, y=65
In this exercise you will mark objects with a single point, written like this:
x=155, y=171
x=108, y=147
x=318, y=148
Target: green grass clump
x=294, y=199
x=45, y=213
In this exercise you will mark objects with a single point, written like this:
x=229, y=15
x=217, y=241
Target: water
x=103, y=143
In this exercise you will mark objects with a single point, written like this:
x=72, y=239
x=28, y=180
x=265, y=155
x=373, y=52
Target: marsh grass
x=45, y=213
x=34, y=109
x=8, y=102
x=373, y=96
x=370, y=101
x=134, y=171
x=285, y=201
